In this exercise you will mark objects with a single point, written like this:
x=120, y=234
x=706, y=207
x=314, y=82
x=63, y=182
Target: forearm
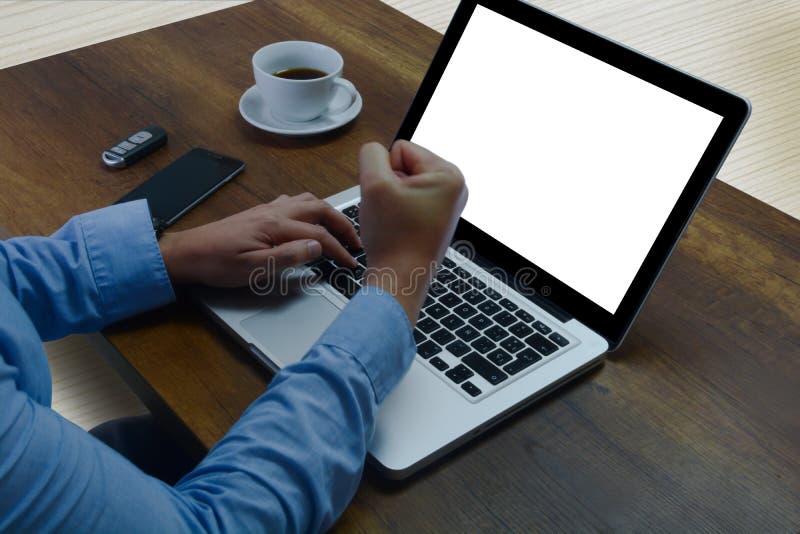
x=291, y=463
x=98, y=268
x=296, y=456
x=294, y=460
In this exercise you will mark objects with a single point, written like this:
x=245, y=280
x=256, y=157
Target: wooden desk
x=692, y=423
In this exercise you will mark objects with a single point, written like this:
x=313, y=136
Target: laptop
x=585, y=161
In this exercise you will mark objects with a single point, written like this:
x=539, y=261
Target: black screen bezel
x=733, y=108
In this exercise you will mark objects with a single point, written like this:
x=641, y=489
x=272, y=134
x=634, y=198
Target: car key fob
x=133, y=148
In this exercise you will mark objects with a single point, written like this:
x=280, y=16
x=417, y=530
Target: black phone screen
x=184, y=183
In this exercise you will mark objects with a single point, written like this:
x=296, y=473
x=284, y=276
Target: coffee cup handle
x=350, y=88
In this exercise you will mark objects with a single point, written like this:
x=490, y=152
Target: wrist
x=173, y=254
x=407, y=284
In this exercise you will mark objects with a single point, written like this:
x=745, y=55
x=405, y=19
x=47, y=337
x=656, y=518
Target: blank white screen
x=570, y=162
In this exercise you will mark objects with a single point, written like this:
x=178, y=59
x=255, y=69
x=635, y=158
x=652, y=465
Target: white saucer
x=256, y=112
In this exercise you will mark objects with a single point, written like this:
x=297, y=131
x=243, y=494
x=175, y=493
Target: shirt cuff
x=126, y=261
x=374, y=329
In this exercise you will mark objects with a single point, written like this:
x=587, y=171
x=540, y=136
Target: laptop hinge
x=544, y=303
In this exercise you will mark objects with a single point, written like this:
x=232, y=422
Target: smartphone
x=183, y=184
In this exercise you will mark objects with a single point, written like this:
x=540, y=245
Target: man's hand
x=288, y=231
x=410, y=203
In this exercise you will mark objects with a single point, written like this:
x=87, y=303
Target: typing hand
x=410, y=203
x=288, y=231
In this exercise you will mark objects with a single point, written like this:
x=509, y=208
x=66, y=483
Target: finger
x=292, y=230
x=373, y=164
x=292, y=253
x=412, y=159
x=320, y=212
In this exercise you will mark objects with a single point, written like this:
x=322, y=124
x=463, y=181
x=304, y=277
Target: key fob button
x=140, y=137
x=127, y=146
x=118, y=150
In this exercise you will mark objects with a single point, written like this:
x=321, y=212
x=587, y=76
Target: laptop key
x=427, y=325
x=524, y=316
x=344, y=284
x=437, y=289
x=489, y=307
x=521, y=330
x=443, y=336
x=511, y=344
x=445, y=276
x=450, y=300
x=525, y=359
x=452, y=322
x=507, y=304
x=459, y=286
x=483, y=345
x=436, y=310
x=492, y=294
x=504, y=318
x=467, y=333
x=477, y=282
x=323, y=268
x=560, y=340
x=480, y=321
x=464, y=310
x=439, y=363
x=541, y=344
x=485, y=368
x=419, y=337
x=541, y=327
x=447, y=262
x=351, y=211
x=458, y=348
x=499, y=357
x=462, y=273
x=471, y=388
x=496, y=333
x=459, y=373
x=428, y=301
x=474, y=297
x=428, y=349
x=357, y=272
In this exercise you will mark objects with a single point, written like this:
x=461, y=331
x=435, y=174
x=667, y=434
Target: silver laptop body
x=428, y=414
x=490, y=347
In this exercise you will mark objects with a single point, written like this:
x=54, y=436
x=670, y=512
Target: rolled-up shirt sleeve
x=290, y=464
x=100, y=267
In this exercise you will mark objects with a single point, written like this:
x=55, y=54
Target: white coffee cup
x=299, y=100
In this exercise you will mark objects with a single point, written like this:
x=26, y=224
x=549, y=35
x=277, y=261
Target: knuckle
x=455, y=177
x=270, y=222
x=321, y=233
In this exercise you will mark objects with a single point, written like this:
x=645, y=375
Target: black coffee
x=301, y=73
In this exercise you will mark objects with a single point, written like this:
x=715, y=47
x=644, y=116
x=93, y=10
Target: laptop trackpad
x=288, y=327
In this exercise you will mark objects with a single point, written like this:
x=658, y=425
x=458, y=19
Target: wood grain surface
x=749, y=46
x=692, y=424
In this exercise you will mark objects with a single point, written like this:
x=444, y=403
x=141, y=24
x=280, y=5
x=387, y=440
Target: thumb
x=373, y=164
x=293, y=253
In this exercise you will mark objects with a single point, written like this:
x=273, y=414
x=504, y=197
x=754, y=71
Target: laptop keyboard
x=474, y=332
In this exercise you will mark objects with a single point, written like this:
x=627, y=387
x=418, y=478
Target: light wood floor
x=749, y=46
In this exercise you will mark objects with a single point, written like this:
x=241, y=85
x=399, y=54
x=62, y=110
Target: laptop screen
x=570, y=162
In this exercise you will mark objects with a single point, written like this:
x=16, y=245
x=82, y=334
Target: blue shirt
x=290, y=464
